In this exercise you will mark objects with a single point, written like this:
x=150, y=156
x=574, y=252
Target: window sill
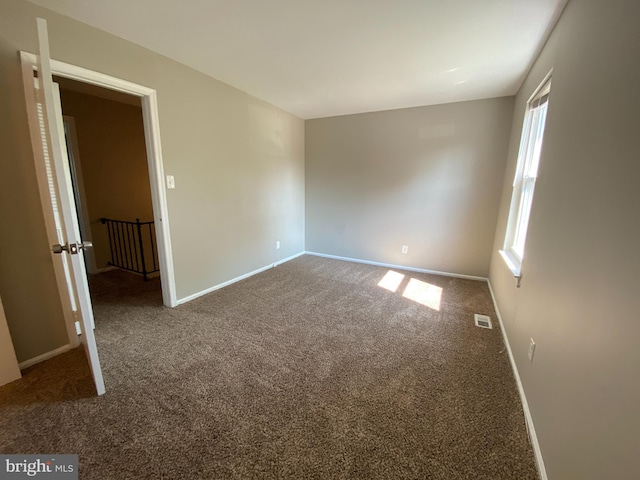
x=513, y=264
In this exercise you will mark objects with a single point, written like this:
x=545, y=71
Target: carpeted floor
x=307, y=370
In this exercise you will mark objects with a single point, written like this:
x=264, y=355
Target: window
x=525, y=179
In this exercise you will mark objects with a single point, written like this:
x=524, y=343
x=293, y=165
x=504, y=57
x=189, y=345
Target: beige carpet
x=307, y=370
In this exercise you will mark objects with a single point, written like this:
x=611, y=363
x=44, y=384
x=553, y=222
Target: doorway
x=104, y=134
x=108, y=164
x=146, y=97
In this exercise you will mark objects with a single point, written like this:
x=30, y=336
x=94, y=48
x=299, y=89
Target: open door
x=69, y=251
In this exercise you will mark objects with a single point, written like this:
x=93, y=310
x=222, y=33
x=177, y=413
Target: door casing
x=149, y=103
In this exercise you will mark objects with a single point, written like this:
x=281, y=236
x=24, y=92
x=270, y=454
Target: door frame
x=151, y=121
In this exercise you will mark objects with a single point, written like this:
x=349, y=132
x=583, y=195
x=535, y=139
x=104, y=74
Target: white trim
x=280, y=262
x=84, y=75
x=154, y=158
x=237, y=279
x=159, y=198
x=511, y=262
x=399, y=267
x=523, y=397
x=539, y=88
x=44, y=356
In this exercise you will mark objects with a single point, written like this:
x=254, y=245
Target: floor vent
x=482, y=321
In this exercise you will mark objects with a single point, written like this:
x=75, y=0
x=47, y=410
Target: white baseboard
x=237, y=279
x=285, y=260
x=44, y=356
x=399, y=267
x=523, y=398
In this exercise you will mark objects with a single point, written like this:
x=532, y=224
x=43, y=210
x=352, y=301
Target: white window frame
x=525, y=178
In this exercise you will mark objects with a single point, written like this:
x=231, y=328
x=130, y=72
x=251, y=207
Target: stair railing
x=127, y=243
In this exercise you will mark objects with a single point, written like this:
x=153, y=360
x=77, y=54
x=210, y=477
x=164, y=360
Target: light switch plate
x=171, y=181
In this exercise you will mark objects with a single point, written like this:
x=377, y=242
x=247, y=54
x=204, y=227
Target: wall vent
x=482, y=321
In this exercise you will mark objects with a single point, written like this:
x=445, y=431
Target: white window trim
x=512, y=258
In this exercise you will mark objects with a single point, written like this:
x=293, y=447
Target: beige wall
x=238, y=164
x=579, y=296
x=427, y=177
x=113, y=162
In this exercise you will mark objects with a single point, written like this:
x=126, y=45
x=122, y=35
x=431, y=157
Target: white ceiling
x=319, y=58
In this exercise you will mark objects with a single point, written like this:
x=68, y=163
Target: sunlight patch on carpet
x=421, y=292
x=391, y=281
x=424, y=293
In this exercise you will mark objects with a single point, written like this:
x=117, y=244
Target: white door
x=62, y=199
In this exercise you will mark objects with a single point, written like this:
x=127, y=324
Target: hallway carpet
x=315, y=369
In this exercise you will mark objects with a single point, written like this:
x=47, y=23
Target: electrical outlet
x=278, y=245
x=532, y=350
x=405, y=249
